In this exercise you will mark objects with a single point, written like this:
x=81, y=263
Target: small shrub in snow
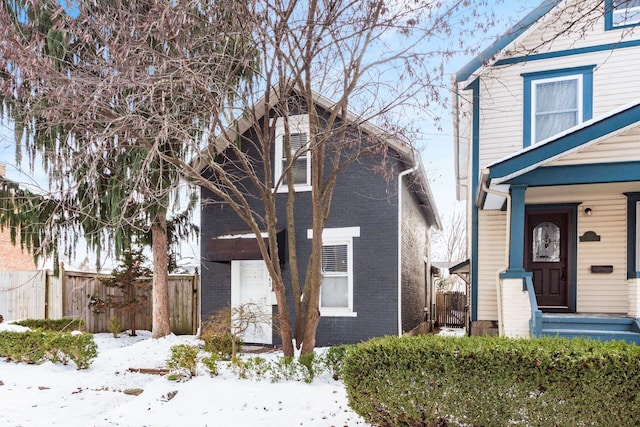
x=211, y=363
x=183, y=362
x=39, y=346
x=494, y=381
x=115, y=326
x=222, y=344
x=307, y=362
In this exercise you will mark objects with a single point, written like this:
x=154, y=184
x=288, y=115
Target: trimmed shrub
x=39, y=346
x=431, y=380
x=333, y=359
x=221, y=344
x=65, y=324
x=183, y=362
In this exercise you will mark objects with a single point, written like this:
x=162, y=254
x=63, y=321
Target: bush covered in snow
x=428, y=381
x=40, y=346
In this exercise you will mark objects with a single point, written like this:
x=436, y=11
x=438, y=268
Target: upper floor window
x=295, y=130
x=555, y=101
x=621, y=13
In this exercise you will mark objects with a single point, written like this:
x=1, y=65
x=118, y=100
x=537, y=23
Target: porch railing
x=535, y=323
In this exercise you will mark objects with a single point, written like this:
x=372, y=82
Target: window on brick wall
x=336, y=291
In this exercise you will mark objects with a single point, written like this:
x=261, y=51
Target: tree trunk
x=161, y=324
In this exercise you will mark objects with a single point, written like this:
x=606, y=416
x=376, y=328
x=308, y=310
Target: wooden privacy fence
x=451, y=309
x=40, y=295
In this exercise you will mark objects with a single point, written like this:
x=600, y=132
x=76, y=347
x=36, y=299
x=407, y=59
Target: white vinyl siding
x=618, y=148
x=491, y=261
x=501, y=113
x=299, y=155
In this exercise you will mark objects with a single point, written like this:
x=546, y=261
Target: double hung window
x=294, y=132
x=555, y=101
x=336, y=289
x=621, y=13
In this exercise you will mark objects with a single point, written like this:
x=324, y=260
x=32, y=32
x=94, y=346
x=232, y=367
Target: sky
x=436, y=145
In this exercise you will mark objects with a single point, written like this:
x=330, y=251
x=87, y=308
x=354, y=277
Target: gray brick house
x=378, y=230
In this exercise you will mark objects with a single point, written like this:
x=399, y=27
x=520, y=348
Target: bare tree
x=138, y=93
x=322, y=59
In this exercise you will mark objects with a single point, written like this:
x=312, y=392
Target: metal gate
x=451, y=309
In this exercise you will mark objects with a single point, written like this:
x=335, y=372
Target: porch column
x=516, y=230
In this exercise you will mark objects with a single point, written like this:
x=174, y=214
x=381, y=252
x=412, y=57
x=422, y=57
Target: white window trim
x=534, y=96
x=625, y=11
x=297, y=124
x=340, y=236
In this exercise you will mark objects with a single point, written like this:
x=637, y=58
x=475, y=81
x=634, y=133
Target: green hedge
x=65, y=324
x=480, y=381
x=39, y=346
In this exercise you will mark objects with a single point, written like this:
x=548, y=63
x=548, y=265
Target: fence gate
x=451, y=309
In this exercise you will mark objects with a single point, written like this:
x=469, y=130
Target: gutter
x=401, y=175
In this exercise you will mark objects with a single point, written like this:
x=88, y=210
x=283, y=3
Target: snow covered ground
x=57, y=395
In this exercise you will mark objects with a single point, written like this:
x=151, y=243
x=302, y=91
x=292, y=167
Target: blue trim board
x=475, y=171
x=510, y=35
x=587, y=94
x=516, y=231
x=581, y=136
x=632, y=203
x=599, y=173
x=568, y=52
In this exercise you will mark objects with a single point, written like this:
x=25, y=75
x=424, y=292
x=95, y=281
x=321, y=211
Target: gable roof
x=509, y=36
x=408, y=154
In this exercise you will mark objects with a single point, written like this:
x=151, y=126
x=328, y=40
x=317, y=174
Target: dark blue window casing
x=633, y=240
x=621, y=14
x=582, y=107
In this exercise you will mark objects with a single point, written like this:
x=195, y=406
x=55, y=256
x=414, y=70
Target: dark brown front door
x=547, y=257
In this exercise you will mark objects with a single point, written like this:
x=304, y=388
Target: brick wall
x=12, y=257
x=415, y=249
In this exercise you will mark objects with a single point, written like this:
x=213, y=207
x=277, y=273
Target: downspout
x=507, y=240
x=400, y=176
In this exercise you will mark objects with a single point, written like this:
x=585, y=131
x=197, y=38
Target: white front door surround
x=250, y=288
